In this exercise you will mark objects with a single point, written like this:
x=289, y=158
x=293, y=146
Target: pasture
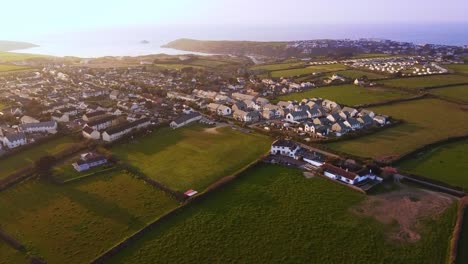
x=277, y=66
x=354, y=74
x=348, y=94
x=426, y=121
x=457, y=93
x=13, y=56
x=192, y=157
x=10, y=68
x=28, y=156
x=445, y=163
x=274, y=214
x=74, y=223
x=174, y=66
x=9, y=255
x=426, y=81
x=308, y=70
x=458, y=68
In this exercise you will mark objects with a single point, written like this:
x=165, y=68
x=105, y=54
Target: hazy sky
x=27, y=17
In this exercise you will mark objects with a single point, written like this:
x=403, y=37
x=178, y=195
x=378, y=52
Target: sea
x=128, y=41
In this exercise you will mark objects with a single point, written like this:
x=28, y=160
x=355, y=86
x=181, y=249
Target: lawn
x=459, y=68
x=12, y=56
x=9, y=68
x=275, y=215
x=9, y=255
x=426, y=121
x=27, y=157
x=277, y=66
x=358, y=74
x=458, y=93
x=447, y=163
x=348, y=94
x=192, y=157
x=426, y=81
x=75, y=223
x=308, y=70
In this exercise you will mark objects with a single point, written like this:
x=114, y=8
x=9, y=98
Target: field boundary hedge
x=216, y=186
x=79, y=178
x=454, y=243
x=393, y=101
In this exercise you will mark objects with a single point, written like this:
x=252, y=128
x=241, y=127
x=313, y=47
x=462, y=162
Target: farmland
x=308, y=70
x=348, y=94
x=457, y=93
x=446, y=163
x=275, y=215
x=277, y=66
x=12, y=56
x=459, y=68
x=76, y=222
x=10, y=68
x=358, y=74
x=10, y=255
x=426, y=82
x=174, y=66
x=192, y=157
x=27, y=157
x=426, y=121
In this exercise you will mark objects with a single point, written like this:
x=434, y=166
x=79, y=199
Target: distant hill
x=233, y=47
x=6, y=45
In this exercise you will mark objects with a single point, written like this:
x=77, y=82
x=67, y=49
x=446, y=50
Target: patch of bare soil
x=404, y=209
x=214, y=130
x=309, y=175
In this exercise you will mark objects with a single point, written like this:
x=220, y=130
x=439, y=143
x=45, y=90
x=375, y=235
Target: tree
x=44, y=166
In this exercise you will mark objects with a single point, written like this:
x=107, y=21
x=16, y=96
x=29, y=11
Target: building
x=285, y=148
x=61, y=118
x=41, y=127
x=28, y=120
x=88, y=161
x=90, y=133
x=337, y=173
x=185, y=119
x=116, y=132
x=88, y=116
x=102, y=122
x=219, y=109
x=252, y=116
x=296, y=116
x=14, y=140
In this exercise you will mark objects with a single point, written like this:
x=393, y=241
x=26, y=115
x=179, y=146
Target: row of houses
x=112, y=133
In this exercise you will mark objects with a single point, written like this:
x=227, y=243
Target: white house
x=296, y=116
x=185, y=119
x=252, y=116
x=88, y=161
x=219, y=109
x=90, y=133
x=116, y=132
x=28, y=120
x=340, y=174
x=14, y=140
x=102, y=122
x=49, y=127
x=61, y=118
x=285, y=148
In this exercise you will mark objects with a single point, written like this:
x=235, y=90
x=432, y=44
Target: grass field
x=66, y=171
x=192, y=157
x=372, y=55
x=447, y=163
x=29, y=156
x=426, y=121
x=12, y=56
x=358, y=74
x=462, y=255
x=308, y=70
x=277, y=66
x=459, y=68
x=348, y=94
x=74, y=223
x=9, y=68
x=275, y=215
x=177, y=66
x=9, y=255
x=458, y=93
x=426, y=82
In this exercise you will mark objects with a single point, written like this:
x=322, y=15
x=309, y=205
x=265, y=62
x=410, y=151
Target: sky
x=30, y=17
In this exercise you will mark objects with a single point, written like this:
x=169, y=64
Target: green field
x=358, y=74
x=66, y=171
x=12, y=56
x=426, y=81
x=275, y=215
x=9, y=255
x=426, y=121
x=277, y=66
x=372, y=55
x=308, y=70
x=177, y=66
x=458, y=93
x=462, y=254
x=348, y=94
x=192, y=157
x=447, y=163
x=9, y=68
x=29, y=156
x=459, y=68
x=75, y=223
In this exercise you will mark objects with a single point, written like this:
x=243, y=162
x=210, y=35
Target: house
x=382, y=120
x=365, y=120
x=185, y=119
x=285, y=105
x=49, y=127
x=284, y=147
x=239, y=105
x=353, y=123
x=28, y=120
x=349, y=111
x=114, y=95
x=367, y=112
x=219, y=109
x=296, y=116
x=13, y=140
x=337, y=173
x=340, y=128
x=102, y=122
x=96, y=114
x=116, y=132
x=88, y=161
x=90, y=133
x=312, y=158
x=242, y=97
x=61, y=118
x=252, y=116
x=334, y=117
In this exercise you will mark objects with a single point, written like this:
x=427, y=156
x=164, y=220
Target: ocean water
x=127, y=41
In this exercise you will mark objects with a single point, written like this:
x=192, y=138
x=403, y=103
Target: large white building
x=119, y=131
x=285, y=148
x=185, y=120
x=14, y=140
x=41, y=127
